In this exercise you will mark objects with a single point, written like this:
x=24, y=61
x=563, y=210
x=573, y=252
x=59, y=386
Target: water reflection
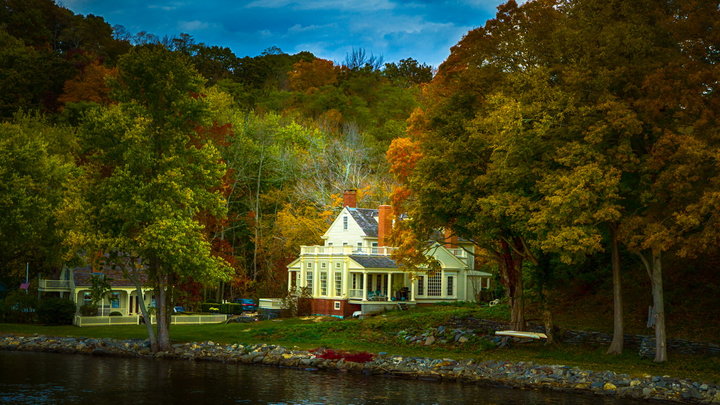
x=40, y=378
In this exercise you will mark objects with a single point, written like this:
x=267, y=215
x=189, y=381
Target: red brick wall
x=327, y=307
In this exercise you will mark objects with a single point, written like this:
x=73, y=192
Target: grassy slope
x=379, y=334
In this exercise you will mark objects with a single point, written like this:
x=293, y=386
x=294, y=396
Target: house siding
x=320, y=306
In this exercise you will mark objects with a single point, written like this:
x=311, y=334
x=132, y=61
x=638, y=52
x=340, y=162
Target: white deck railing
x=193, y=319
x=106, y=320
x=54, y=284
x=346, y=250
x=355, y=293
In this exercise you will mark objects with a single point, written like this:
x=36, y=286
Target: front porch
x=122, y=300
x=380, y=287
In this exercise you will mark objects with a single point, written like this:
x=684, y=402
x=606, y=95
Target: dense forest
x=571, y=141
x=292, y=130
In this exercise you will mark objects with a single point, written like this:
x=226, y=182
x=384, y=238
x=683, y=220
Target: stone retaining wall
x=510, y=374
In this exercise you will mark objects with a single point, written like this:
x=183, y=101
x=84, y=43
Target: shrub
x=56, y=311
x=232, y=308
x=115, y=313
x=88, y=310
x=19, y=307
x=355, y=357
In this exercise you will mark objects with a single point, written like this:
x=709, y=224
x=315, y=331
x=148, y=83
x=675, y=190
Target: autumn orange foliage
x=89, y=85
x=309, y=76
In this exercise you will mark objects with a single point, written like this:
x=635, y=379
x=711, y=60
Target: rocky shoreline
x=526, y=375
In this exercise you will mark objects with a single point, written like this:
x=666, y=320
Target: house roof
x=83, y=276
x=365, y=218
x=374, y=262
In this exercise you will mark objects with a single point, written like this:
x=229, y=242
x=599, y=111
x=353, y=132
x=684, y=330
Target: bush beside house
x=56, y=311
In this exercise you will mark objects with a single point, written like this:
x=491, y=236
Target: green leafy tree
x=147, y=177
x=408, y=72
x=99, y=288
x=35, y=171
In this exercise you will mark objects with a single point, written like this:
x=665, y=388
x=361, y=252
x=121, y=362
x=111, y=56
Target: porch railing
x=193, y=319
x=346, y=250
x=54, y=284
x=105, y=320
x=356, y=293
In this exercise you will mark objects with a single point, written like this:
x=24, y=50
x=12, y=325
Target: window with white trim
x=323, y=265
x=309, y=265
x=345, y=222
x=323, y=283
x=450, y=286
x=309, y=282
x=337, y=305
x=338, y=283
x=434, y=285
x=337, y=265
x=421, y=285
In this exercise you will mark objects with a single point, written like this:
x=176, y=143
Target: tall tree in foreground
x=148, y=176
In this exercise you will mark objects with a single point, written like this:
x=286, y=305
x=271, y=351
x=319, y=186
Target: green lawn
x=378, y=334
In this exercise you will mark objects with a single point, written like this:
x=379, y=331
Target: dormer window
x=345, y=223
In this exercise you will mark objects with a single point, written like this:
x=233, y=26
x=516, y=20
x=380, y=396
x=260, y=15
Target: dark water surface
x=42, y=378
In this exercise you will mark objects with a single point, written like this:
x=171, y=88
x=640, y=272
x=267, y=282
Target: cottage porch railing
x=193, y=319
x=106, y=320
x=346, y=250
x=54, y=284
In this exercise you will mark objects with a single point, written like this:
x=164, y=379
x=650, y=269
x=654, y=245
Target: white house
x=76, y=283
x=354, y=271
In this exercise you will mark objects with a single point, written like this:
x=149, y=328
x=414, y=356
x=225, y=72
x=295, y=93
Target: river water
x=48, y=378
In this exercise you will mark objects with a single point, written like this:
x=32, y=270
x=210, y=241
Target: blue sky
x=393, y=29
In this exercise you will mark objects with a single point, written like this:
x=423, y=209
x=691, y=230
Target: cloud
x=163, y=8
x=194, y=25
x=297, y=28
x=335, y=5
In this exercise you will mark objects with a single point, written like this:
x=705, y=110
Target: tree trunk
x=659, y=306
x=511, y=277
x=257, y=214
x=517, y=306
x=163, y=331
x=132, y=275
x=549, y=325
x=146, y=317
x=616, y=346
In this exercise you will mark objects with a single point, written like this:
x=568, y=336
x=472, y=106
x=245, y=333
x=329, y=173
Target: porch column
x=389, y=285
x=412, y=288
x=290, y=276
x=364, y=286
x=344, y=281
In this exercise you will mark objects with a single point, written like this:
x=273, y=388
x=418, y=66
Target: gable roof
x=374, y=262
x=83, y=277
x=365, y=218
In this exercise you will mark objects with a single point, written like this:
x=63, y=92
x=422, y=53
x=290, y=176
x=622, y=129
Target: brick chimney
x=450, y=239
x=384, y=224
x=350, y=198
